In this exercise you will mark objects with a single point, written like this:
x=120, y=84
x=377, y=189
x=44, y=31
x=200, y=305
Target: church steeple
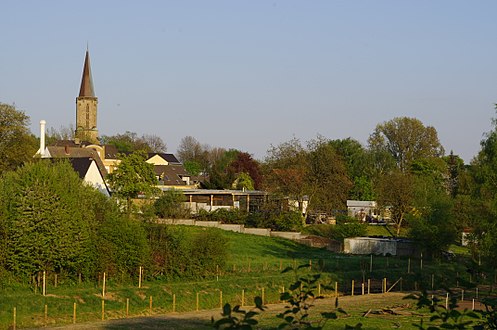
x=87, y=81
x=86, y=106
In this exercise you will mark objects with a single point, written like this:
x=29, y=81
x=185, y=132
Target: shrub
x=169, y=205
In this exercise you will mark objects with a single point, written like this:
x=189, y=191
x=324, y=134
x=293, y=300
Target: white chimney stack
x=42, y=137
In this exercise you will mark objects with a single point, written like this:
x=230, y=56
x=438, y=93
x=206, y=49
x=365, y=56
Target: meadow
x=254, y=268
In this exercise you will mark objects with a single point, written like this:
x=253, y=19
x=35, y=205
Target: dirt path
x=201, y=319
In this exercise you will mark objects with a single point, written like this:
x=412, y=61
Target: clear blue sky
x=248, y=74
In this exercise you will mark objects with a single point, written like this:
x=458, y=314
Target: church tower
x=86, y=107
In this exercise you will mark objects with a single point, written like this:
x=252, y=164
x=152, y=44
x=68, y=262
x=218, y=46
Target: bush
x=177, y=253
x=170, y=205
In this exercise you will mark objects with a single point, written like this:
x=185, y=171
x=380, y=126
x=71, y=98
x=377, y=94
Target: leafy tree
x=45, y=219
x=434, y=227
x=327, y=179
x=17, y=144
x=243, y=181
x=219, y=174
x=244, y=163
x=406, y=139
x=130, y=142
x=360, y=167
x=132, y=177
x=192, y=167
x=395, y=192
x=286, y=170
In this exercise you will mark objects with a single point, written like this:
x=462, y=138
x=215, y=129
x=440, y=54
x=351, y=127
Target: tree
x=406, y=139
x=190, y=149
x=46, y=219
x=328, y=182
x=286, y=169
x=63, y=133
x=244, y=163
x=17, y=144
x=132, y=177
x=130, y=142
x=360, y=167
x=395, y=192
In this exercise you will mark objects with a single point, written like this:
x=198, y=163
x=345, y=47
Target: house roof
x=81, y=165
x=86, y=89
x=170, y=158
x=77, y=152
x=171, y=175
x=110, y=151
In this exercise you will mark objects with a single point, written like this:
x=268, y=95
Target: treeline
x=50, y=221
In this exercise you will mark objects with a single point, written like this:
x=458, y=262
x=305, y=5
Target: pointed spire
x=86, y=89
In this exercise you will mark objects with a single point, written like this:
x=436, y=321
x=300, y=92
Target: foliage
x=131, y=142
x=434, y=228
x=132, y=177
x=122, y=245
x=442, y=318
x=275, y=220
x=192, y=167
x=229, y=216
x=243, y=181
x=349, y=230
x=17, y=144
x=328, y=182
x=246, y=320
x=316, y=173
x=170, y=205
x=176, y=254
x=44, y=222
x=406, y=139
x=245, y=165
x=300, y=299
x=360, y=167
x=395, y=192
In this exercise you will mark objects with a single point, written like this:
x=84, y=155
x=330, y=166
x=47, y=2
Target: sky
x=251, y=74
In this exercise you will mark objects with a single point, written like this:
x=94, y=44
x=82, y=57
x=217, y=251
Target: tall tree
x=406, y=139
x=395, y=192
x=132, y=177
x=327, y=179
x=17, y=144
x=286, y=170
x=360, y=167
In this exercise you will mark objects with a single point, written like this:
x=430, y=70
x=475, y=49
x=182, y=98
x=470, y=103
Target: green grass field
x=253, y=268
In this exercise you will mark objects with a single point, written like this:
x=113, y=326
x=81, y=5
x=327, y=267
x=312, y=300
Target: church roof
x=86, y=89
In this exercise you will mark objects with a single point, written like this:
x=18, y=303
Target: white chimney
x=42, y=137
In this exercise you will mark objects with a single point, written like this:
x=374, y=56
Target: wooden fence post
x=336, y=289
x=46, y=313
x=44, y=285
x=243, y=297
x=174, y=302
x=140, y=277
x=103, y=309
x=74, y=313
x=103, y=287
x=352, y=288
x=369, y=285
x=127, y=307
x=220, y=298
x=262, y=295
x=150, y=302
x=197, y=303
x=14, y=324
